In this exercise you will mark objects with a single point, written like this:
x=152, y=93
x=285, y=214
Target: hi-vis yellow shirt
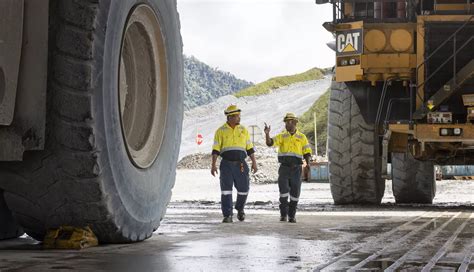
x=227, y=139
x=295, y=145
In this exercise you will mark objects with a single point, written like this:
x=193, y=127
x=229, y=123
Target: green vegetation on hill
x=277, y=82
x=306, y=122
x=204, y=84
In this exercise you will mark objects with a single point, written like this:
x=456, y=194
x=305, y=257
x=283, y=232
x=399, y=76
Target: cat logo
x=349, y=42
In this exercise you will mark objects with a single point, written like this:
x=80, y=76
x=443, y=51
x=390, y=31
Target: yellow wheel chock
x=67, y=237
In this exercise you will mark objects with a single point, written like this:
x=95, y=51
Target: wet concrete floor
x=438, y=237
x=192, y=238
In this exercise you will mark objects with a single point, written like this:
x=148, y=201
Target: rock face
x=203, y=84
x=266, y=157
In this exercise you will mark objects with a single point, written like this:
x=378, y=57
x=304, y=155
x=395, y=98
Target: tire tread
x=351, y=152
x=413, y=181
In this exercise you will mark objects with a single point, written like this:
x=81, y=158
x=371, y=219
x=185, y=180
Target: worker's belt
x=292, y=166
x=234, y=155
x=289, y=160
x=233, y=162
x=236, y=163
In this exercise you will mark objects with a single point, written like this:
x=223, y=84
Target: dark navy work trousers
x=289, y=183
x=233, y=174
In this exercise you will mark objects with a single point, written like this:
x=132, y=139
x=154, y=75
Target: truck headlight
x=457, y=131
x=344, y=62
x=444, y=132
x=352, y=61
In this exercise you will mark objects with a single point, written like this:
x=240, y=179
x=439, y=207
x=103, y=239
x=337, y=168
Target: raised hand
x=266, y=128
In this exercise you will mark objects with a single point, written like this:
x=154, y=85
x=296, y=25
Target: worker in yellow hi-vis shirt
x=293, y=147
x=232, y=143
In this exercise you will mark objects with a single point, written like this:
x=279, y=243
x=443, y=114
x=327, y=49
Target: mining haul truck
x=91, y=106
x=403, y=93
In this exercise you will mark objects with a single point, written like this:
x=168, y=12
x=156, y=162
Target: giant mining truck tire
x=115, y=110
x=413, y=181
x=9, y=228
x=354, y=164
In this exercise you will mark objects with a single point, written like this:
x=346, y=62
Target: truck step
x=450, y=88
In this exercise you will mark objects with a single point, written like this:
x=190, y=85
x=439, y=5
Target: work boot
x=283, y=218
x=227, y=219
x=292, y=220
x=241, y=215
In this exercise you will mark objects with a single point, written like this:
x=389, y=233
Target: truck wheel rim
x=143, y=86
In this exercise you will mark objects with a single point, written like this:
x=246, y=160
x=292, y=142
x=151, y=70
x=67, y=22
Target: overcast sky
x=257, y=39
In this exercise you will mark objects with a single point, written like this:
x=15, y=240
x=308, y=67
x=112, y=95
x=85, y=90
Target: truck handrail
x=449, y=58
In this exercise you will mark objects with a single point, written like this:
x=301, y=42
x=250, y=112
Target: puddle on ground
x=250, y=252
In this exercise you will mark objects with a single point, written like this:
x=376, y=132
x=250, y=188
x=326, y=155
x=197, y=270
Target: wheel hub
x=143, y=88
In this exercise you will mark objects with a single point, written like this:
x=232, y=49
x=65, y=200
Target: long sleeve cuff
x=215, y=152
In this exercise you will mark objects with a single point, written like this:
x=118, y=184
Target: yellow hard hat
x=232, y=110
x=290, y=116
